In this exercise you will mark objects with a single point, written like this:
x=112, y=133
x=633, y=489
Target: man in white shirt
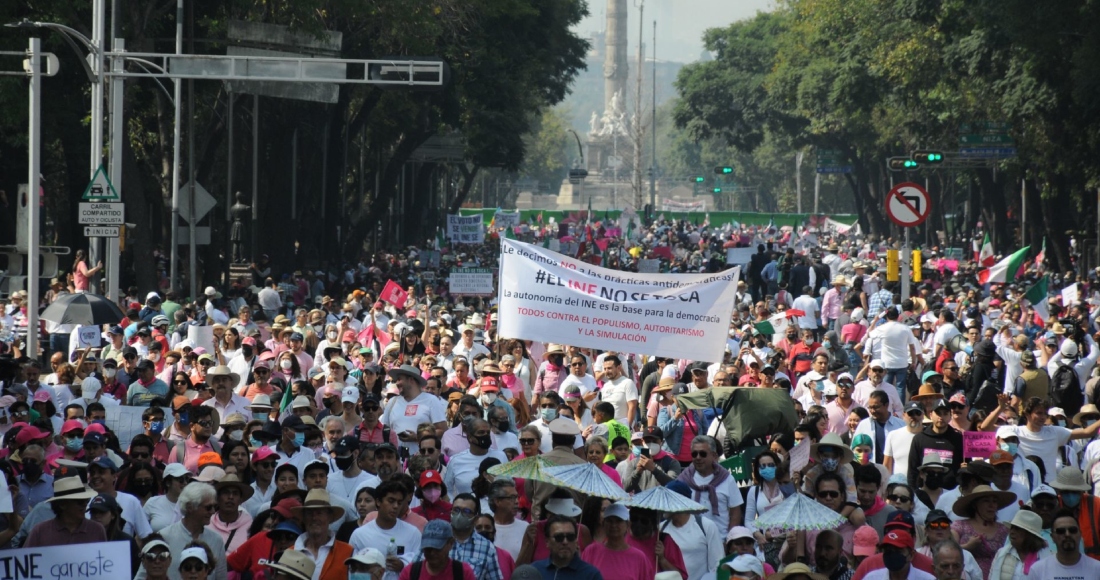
x=724, y=509
x=876, y=372
x=387, y=531
x=578, y=375
x=404, y=413
x=467, y=347
x=896, y=452
x=807, y=304
x=345, y=482
x=462, y=469
x=619, y=390
x=898, y=349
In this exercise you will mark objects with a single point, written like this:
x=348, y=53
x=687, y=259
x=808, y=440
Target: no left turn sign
x=908, y=205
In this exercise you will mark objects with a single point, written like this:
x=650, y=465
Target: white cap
x=90, y=387
x=830, y=389
x=198, y=553
x=210, y=291
x=349, y=395
x=1006, y=431
x=300, y=402
x=1043, y=489
x=876, y=363
x=747, y=563
x=367, y=557
x=175, y=470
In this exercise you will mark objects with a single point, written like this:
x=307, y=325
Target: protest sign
x=649, y=265
x=125, y=422
x=979, y=444
x=201, y=336
x=800, y=456
x=465, y=229
x=472, y=282
x=549, y=297
x=740, y=465
x=88, y=336
x=98, y=560
x=394, y=294
x=1069, y=295
x=739, y=256
x=504, y=220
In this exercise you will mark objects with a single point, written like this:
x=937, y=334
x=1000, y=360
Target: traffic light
x=900, y=164
x=716, y=190
x=723, y=170
x=923, y=157
x=699, y=179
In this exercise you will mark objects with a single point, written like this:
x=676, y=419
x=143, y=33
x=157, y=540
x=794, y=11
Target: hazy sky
x=680, y=23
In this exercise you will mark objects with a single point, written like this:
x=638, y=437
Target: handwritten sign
x=979, y=444
x=100, y=560
x=800, y=456
x=465, y=229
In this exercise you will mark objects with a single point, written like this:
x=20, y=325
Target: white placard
x=201, y=336
x=739, y=256
x=465, y=229
x=88, y=336
x=549, y=297
x=504, y=219
x=71, y=561
x=649, y=265
x=471, y=282
x=1069, y=295
x=800, y=456
x=125, y=422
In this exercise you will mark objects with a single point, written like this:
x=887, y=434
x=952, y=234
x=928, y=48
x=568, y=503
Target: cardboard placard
x=979, y=444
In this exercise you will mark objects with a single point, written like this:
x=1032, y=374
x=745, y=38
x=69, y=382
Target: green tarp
x=754, y=413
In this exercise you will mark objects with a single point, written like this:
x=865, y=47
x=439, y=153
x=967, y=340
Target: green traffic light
x=724, y=170
x=909, y=164
x=717, y=190
x=699, y=179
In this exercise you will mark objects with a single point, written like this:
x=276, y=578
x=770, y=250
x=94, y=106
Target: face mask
x=32, y=470
x=99, y=422
x=187, y=368
x=933, y=480
x=359, y=576
x=654, y=448
x=760, y=344
x=548, y=414
x=246, y=351
x=827, y=344
x=807, y=341
x=253, y=443
x=637, y=449
x=237, y=436
x=1071, y=499
x=342, y=463
x=432, y=495
x=830, y=464
x=489, y=398
x=461, y=522
x=484, y=442
x=331, y=336
x=317, y=328
x=792, y=337
x=142, y=489
x=328, y=402
x=864, y=458
x=1010, y=448
x=299, y=439
x=894, y=560
x=768, y=473
x=286, y=365
x=75, y=444
x=184, y=420
x=316, y=451
x=156, y=427
x=110, y=373
x=503, y=426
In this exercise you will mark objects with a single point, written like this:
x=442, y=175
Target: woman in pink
x=853, y=332
x=596, y=451
x=616, y=558
x=81, y=273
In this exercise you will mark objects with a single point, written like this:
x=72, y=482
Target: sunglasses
x=206, y=424
x=139, y=457
x=563, y=538
x=464, y=511
x=526, y=441
x=957, y=407
x=829, y=494
x=157, y=557
x=370, y=408
x=1070, y=531
x=698, y=454
x=939, y=525
x=898, y=498
x=188, y=567
x=265, y=465
x=180, y=382
x=428, y=450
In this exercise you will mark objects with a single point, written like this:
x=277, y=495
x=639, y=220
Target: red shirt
x=440, y=510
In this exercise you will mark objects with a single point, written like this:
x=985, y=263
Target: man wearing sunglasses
x=200, y=439
x=1068, y=562
x=937, y=528
x=565, y=561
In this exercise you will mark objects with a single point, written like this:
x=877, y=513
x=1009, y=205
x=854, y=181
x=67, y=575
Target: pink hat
x=410, y=314
x=249, y=341
x=261, y=454
x=865, y=541
x=95, y=428
x=29, y=433
x=267, y=355
x=70, y=425
x=41, y=396
x=198, y=350
x=349, y=336
x=489, y=385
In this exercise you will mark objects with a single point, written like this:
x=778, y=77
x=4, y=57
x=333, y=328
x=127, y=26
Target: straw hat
x=231, y=480
x=963, y=504
x=1086, y=411
x=553, y=349
x=832, y=440
x=666, y=384
x=318, y=499
x=797, y=569
x=926, y=391
x=294, y=563
x=68, y=488
x=1030, y=522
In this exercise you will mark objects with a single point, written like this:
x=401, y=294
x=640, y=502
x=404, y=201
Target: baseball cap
x=104, y=503
x=898, y=539
x=72, y=425
x=914, y=406
x=349, y=395
x=176, y=470
x=430, y=476
x=145, y=363
x=864, y=541
x=96, y=438
x=262, y=453
x=615, y=510
x=737, y=533
x=877, y=364
x=654, y=432
x=293, y=422
x=900, y=519
x=105, y=462
x=437, y=533
x=1000, y=457
x=745, y=563
x=1043, y=489
x=959, y=399
x=936, y=516
x=368, y=557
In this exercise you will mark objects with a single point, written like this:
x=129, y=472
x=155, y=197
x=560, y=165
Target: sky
x=680, y=23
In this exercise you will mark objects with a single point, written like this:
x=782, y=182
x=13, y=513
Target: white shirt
x=702, y=548
x=586, y=384
x=506, y=440
x=864, y=388
x=470, y=352
x=897, y=446
x=269, y=299
x=341, y=486
x=510, y=536
x=137, y=525
x=729, y=496
x=462, y=469
x=866, y=427
x=161, y=513
x=322, y=552
x=1052, y=569
x=1043, y=444
x=894, y=340
x=618, y=392
x=547, y=442
x=808, y=305
x=884, y=574
x=405, y=535
x=402, y=415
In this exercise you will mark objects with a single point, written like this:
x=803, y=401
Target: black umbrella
x=85, y=309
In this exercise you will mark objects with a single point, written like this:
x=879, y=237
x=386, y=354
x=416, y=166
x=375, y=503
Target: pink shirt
x=192, y=451
x=830, y=305
x=80, y=277
x=628, y=564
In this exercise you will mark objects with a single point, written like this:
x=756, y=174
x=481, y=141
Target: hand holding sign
x=394, y=294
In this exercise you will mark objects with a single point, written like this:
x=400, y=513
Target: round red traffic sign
x=908, y=205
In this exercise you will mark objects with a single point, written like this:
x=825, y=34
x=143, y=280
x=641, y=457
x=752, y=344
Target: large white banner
x=504, y=219
x=99, y=560
x=683, y=206
x=549, y=297
x=471, y=282
x=739, y=256
x=465, y=229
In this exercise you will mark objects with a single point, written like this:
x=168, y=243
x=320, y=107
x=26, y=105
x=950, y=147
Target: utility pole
x=653, y=127
x=639, y=132
x=34, y=183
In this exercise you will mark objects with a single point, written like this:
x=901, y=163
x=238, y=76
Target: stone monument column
x=615, y=59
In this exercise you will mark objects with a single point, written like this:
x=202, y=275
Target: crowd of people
x=295, y=426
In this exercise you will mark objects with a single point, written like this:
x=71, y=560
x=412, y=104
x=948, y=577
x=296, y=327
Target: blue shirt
x=140, y=396
x=36, y=493
x=577, y=569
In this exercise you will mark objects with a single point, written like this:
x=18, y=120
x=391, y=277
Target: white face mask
x=286, y=365
x=331, y=336
x=236, y=435
x=489, y=398
x=109, y=373
x=654, y=448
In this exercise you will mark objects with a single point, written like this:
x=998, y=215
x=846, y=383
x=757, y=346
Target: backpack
x=456, y=570
x=1065, y=390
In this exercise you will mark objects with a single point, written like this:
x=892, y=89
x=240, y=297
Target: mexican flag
x=1042, y=255
x=1037, y=296
x=775, y=325
x=985, y=255
x=1004, y=271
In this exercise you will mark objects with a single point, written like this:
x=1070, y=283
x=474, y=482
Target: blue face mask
x=253, y=443
x=99, y=422
x=637, y=450
x=184, y=420
x=827, y=345
x=359, y=576
x=1071, y=499
x=548, y=414
x=156, y=427
x=1010, y=448
x=75, y=444
x=299, y=439
x=830, y=464
x=768, y=473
